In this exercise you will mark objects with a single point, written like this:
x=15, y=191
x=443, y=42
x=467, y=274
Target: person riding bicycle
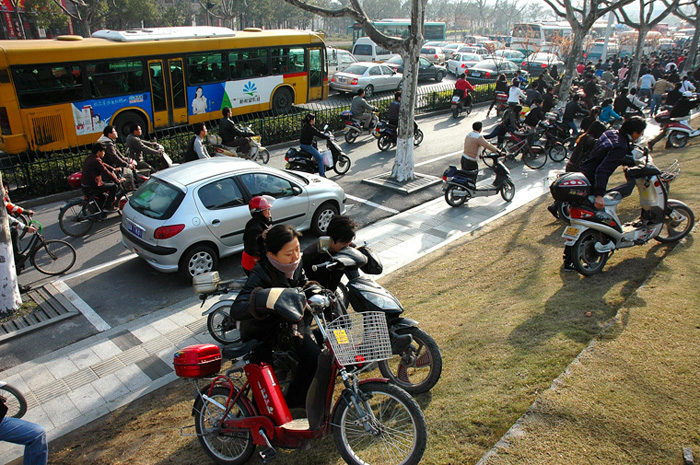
x=231, y=135
x=270, y=307
x=572, y=110
x=16, y=226
x=462, y=88
x=30, y=435
x=113, y=157
x=535, y=115
x=260, y=208
x=361, y=110
x=93, y=171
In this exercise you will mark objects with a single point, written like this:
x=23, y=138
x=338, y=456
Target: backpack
x=190, y=154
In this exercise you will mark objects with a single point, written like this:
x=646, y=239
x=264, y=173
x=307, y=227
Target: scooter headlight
x=381, y=301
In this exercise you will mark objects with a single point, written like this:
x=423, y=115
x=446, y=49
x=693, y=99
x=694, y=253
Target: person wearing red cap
x=260, y=209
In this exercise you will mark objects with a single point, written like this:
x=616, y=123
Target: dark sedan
x=491, y=69
x=426, y=71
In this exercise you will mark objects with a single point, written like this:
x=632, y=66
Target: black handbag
x=373, y=265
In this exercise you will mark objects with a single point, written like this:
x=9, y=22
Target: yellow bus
x=61, y=93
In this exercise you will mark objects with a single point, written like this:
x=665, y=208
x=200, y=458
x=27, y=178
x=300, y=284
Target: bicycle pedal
x=268, y=454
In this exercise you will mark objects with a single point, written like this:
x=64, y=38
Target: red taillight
x=436, y=56
x=166, y=232
x=580, y=213
x=332, y=79
x=544, y=65
x=524, y=64
x=488, y=75
x=444, y=178
x=353, y=82
x=463, y=65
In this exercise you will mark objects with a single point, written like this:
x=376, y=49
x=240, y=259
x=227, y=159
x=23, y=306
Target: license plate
x=571, y=232
x=455, y=99
x=476, y=74
x=133, y=229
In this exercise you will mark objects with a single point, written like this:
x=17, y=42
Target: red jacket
x=463, y=84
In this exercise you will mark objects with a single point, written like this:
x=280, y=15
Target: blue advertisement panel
x=235, y=94
x=91, y=116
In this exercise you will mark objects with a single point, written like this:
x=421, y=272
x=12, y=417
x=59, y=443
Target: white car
x=187, y=217
x=338, y=60
x=461, y=62
x=372, y=77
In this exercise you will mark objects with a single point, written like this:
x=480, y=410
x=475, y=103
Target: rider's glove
x=288, y=303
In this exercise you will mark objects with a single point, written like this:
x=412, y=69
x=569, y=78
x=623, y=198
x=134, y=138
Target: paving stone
x=80, y=378
x=86, y=398
x=106, y=349
x=61, y=410
x=62, y=367
x=39, y=416
x=165, y=326
x=37, y=376
x=179, y=335
x=183, y=318
x=125, y=340
x=158, y=344
x=154, y=367
x=51, y=391
x=103, y=369
x=133, y=355
x=132, y=377
x=84, y=358
x=110, y=388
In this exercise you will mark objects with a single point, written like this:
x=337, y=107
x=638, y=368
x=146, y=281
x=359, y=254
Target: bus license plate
x=571, y=232
x=135, y=230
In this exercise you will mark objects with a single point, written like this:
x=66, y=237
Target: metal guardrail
x=35, y=174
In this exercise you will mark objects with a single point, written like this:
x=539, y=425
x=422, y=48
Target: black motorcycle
x=388, y=134
x=460, y=185
x=299, y=160
x=417, y=363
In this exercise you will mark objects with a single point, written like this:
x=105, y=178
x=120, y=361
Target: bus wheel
x=282, y=101
x=126, y=120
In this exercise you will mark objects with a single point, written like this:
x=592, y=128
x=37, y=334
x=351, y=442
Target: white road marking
x=99, y=267
x=372, y=204
x=439, y=158
x=81, y=305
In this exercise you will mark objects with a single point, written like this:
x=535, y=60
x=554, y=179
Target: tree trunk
x=403, y=163
x=637, y=63
x=693, y=53
x=10, y=299
x=576, y=51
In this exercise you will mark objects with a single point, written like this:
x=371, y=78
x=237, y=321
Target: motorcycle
x=501, y=103
x=299, y=160
x=416, y=364
x=388, y=135
x=678, y=130
x=461, y=102
x=559, y=143
x=371, y=420
x=353, y=128
x=594, y=235
x=459, y=185
x=256, y=152
x=220, y=325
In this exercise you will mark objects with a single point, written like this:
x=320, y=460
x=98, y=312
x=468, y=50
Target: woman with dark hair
x=584, y=145
x=308, y=131
x=501, y=86
x=271, y=306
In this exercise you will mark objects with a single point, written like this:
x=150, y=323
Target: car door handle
x=216, y=222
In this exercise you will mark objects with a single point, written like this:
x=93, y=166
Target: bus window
x=109, y=79
x=157, y=85
x=39, y=85
x=178, y=83
x=249, y=63
x=206, y=67
x=287, y=60
x=315, y=68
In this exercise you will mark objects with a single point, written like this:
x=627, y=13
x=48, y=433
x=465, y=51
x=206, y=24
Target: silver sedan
x=372, y=77
x=187, y=217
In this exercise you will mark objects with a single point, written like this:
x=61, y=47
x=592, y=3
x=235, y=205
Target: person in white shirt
x=646, y=82
x=687, y=86
x=515, y=93
x=196, y=149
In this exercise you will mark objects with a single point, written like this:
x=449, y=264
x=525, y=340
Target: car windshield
x=427, y=50
x=397, y=60
x=355, y=69
x=156, y=199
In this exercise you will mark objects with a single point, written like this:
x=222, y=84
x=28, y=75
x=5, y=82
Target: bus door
x=318, y=74
x=160, y=106
x=177, y=91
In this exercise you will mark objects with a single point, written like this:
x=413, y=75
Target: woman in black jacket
x=270, y=307
x=308, y=131
x=260, y=210
x=501, y=86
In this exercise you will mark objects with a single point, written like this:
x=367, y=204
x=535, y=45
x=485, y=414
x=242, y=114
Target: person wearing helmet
x=308, y=131
x=260, y=209
x=681, y=109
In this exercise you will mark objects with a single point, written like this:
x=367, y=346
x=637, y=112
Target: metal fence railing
x=36, y=174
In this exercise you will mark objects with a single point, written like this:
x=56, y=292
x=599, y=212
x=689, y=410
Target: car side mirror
x=296, y=190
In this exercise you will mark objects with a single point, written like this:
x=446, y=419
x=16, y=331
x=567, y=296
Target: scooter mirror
x=324, y=243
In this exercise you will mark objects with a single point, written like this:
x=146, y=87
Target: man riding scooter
x=462, y=88
x=361, y=110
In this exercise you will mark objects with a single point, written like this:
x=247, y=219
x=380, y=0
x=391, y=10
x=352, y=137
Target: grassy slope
x=508, y=321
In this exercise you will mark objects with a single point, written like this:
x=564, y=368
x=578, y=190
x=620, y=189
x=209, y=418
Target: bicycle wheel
x=221, y=327
x=397, y=431
x=74, y=218
x=557, y=153
x=14, y=400
x=24, y=219
x=225, y=447
x=534, y=160
x=53, y=257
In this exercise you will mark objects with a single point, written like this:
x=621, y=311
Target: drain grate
x=52, y=307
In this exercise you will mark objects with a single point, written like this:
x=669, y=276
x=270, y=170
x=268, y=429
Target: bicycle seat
x=239, y=349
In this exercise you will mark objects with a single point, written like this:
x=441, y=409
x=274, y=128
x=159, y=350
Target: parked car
x=491, y=69
x=451, y=48
x=188, y=217
x=338, y=60
x=461, y=62
x=537, y=62
x=473, y=49
x=435, y=43
x=373, y=77
x=514, y=56
x=426, y=71
x=433, y=54
x=366, y=50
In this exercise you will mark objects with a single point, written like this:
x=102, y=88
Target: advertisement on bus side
x=91, y=116
x=234, y=94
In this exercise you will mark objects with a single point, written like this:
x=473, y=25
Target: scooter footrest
x=267, y=454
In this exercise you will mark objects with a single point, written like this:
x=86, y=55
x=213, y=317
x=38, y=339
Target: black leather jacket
x=247, y=310
x=253, y=230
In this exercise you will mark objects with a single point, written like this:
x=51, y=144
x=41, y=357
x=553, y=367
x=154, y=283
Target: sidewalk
x=79, y=383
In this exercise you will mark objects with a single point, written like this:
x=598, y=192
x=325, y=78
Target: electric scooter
x=678, y=130
x=353, y=128
x=460, y=185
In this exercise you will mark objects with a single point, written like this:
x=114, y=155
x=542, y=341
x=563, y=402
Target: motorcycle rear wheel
x=508, y=191
x=534, y=160
x=669, y=232
x=468, y=109
x=384, y=143
x=456, y=200
x=455, y=112
x=399, y=433
x=677, y=139
x=263, y=156
x=350, y=137
x=342, y=164
x=587, y=260
x=417, y=137
x=418, y=368
x=227, y=448
x=221, y=328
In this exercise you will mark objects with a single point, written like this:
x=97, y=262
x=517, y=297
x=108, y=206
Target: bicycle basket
x=359, y=338
x=671, y=173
